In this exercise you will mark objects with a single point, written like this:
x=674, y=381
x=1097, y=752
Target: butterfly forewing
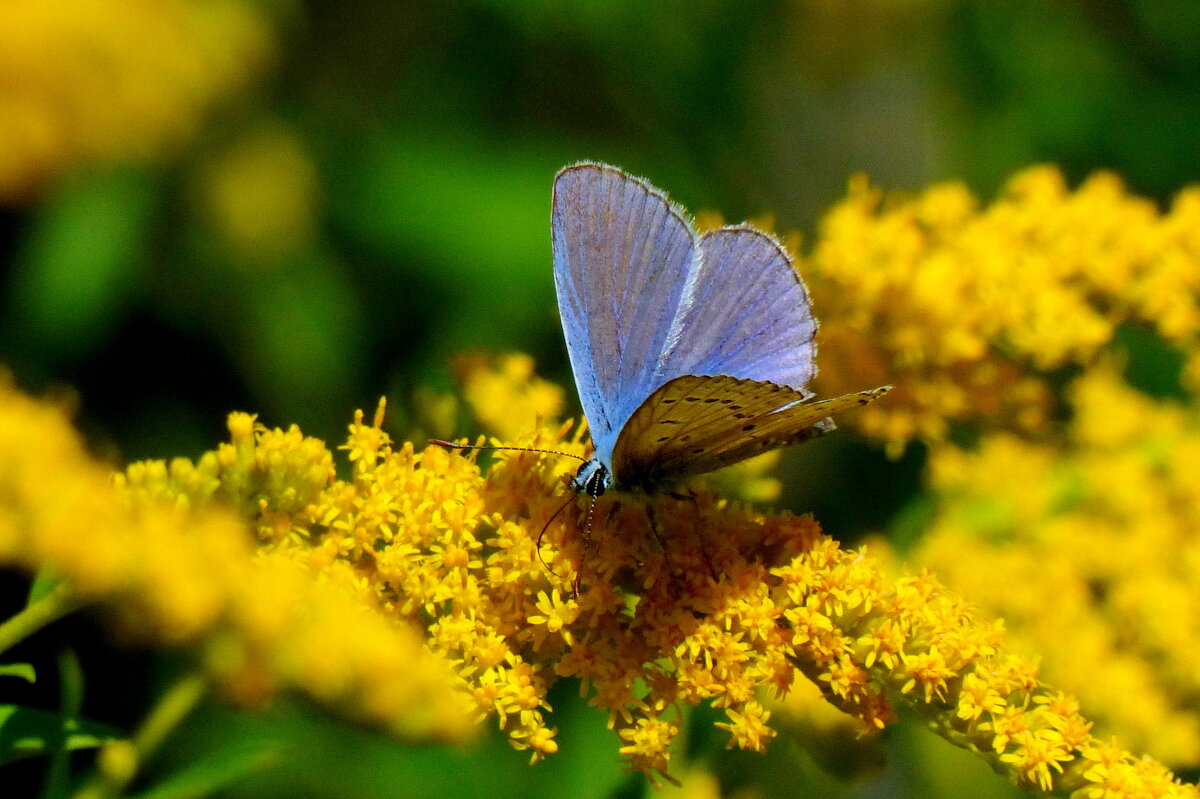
x=696, y=424
x=622, y=257
x=746, y=313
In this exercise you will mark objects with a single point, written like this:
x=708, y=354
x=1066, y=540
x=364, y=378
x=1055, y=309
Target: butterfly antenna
x=546, y=527
x=587, y=527
x=587, y=542
x=451, y=445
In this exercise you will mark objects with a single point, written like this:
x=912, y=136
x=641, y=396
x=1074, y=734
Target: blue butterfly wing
x=623, y=255
x=746, y=314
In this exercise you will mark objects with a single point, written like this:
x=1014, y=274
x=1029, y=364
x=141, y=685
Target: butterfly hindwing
x=747, y=298
x=623, y=255
x=695, y=424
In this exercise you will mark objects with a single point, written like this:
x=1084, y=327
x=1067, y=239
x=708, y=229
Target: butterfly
x=690, y=351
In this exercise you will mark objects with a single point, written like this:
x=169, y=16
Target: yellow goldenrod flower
x=646, y=744
x=115, y=80
x=1088, y=551
x=171, y=567
x=965, y=308
x=748, y=729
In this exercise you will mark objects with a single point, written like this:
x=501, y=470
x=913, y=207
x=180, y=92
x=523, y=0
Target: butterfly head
x=593, y=478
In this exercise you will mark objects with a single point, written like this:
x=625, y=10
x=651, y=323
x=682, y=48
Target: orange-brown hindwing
x=695, y=424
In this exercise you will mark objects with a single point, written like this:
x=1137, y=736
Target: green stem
x=170, y=710
x=52, y=607
x=175, y=705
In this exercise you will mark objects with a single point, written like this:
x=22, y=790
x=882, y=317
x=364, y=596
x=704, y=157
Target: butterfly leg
x=690, y=496
x=656, y=531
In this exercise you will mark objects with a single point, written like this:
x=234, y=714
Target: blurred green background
x=374, y=196
x=335, y=198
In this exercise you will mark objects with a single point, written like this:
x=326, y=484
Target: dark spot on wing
x=711, y=399
x=664, y=438
x=748, y=428
x=741, y=416
x=691, y=399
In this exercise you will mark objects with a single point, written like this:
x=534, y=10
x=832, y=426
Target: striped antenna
x=451, y=445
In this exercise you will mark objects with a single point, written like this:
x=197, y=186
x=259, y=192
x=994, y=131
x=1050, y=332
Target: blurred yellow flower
x=696, y=784
x=504, y=395
x=965, y=309
x=261, y=196
x=184, y=572
x=115, y=80
x=1089, y=552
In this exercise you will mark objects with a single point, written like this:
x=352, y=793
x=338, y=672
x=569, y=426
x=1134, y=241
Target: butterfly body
x=690, y=352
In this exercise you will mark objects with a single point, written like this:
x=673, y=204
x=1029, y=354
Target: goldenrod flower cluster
x=679, y=601
x=169, y=566
x=1090, y=553
x=650, y=605
x=108, y=80
x=965, y=309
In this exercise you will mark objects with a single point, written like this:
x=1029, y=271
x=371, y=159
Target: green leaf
x=23, y=670
x=587, y=765
x=218, y=771
x=81, y=262
x=30, y=732
x=453, y=213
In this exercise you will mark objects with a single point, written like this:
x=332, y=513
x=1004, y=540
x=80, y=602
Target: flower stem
x=52, y=607
x=119, y=761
